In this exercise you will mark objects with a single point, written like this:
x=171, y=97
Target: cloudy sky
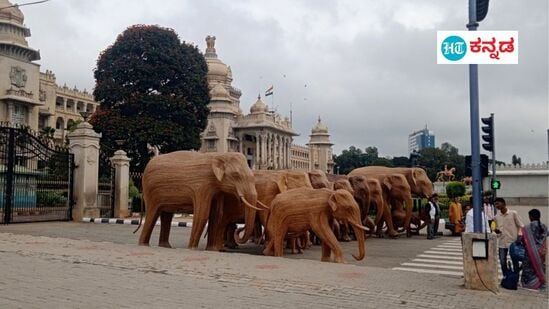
x=367, y=67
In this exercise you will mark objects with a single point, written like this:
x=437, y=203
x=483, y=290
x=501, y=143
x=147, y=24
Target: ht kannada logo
x=453, y=48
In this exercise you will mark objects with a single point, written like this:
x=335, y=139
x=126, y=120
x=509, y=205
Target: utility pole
x=475, y=132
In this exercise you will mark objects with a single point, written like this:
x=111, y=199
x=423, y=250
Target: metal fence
x=36, y=179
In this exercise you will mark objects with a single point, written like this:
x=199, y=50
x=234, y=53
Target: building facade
x=29, y=97
x=263, y=136
x=421, y=139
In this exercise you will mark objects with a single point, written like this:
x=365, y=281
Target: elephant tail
x=140, y=214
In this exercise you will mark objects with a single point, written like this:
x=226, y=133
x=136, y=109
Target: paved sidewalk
x=42, y=272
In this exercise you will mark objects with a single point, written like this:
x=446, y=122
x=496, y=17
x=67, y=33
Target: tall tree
x=153, y=90
x=349, y=159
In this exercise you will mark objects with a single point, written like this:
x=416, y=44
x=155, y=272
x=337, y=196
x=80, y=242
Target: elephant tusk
x=263, y=205
x=359, y=226
x=249, y=205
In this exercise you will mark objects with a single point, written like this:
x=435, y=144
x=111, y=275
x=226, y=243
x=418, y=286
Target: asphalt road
x=380, y=252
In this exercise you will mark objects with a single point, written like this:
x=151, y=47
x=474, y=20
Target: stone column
x=84, y=144
x=121, y=164
x=257, y=158
x=480, y=273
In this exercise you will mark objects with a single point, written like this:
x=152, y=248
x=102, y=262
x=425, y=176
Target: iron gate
x=35, y=179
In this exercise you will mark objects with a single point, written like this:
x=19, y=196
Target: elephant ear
x=282, y=184
x=218, y=168
x=332, y=201
x=387, y=183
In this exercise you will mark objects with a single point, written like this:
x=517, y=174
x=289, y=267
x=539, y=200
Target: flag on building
x=269, y=91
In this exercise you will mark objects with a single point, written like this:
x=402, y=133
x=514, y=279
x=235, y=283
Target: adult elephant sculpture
x=296, y=211
x=417, y=178
x=189, y=181
x=268, y=185
x=366, y=192
x=319, y=179
x=396, y=192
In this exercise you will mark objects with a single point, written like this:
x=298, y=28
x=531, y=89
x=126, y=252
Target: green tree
x=153, y=90
x=434, y=160
x=401, y=161
x=371, y=155
x=350, y=159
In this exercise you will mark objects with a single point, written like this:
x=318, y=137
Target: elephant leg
x=150, y=220
x=229, y=236
x=165, y=226
x=201, y=213
x=217, y=227
x=387, y=216
x=329, y=240
x=278, y=242
x=326, y=252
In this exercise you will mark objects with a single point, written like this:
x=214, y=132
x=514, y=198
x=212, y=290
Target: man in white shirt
x=469, y=222
x=434, y=215
x=489, y=209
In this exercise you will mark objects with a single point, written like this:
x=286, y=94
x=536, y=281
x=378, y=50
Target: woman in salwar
x=534, y=239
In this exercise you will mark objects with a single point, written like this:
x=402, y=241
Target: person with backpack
x=508, y=225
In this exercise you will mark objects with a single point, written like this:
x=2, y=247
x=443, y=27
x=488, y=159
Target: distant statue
x=446, y=174
x=210, y=46
x=467, y=180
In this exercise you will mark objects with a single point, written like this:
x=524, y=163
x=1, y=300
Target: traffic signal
x=483, y=166
x=488, y=129
x=482, y=9
x=496, y=184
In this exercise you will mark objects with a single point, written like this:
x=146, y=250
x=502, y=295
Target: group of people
x=510, y=232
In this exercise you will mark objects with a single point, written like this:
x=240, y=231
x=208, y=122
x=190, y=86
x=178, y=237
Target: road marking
x=448, y=249
x=433, y=266
x=438, y=261
x=431, y=271
x=441, y=257
x=432, y=251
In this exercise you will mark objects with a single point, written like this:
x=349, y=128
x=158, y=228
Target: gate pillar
x=84, y=144
x=121, y=164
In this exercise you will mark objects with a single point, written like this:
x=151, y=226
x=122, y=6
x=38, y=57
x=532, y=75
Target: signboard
x=477, y=47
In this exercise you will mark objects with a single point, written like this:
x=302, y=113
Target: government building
x=33, y=99
x=29, y=97
x=263, y=136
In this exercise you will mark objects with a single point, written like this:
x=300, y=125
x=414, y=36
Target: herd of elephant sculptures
x=220, y=190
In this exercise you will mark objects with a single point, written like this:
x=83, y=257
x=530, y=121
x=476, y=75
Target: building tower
x=224, y=104
x=19, y=85
x=320, y=149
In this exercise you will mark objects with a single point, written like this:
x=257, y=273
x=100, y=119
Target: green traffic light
x=496, y=184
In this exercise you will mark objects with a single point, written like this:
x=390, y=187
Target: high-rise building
x=420, y=140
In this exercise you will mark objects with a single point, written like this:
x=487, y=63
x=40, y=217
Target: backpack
x=510, y=281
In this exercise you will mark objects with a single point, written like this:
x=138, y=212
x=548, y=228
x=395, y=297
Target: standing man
x=508, y=225
x=434, y=214
x=489, y=209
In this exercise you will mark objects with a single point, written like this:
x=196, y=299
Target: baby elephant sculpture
x=296, y=211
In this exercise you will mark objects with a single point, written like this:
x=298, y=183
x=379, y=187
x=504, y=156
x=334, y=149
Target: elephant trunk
x=359, y=232
x=249, y=220
x=380, y=209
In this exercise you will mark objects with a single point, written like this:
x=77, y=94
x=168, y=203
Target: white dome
x=320, y=127
x=259, y=107
x=11, y=13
